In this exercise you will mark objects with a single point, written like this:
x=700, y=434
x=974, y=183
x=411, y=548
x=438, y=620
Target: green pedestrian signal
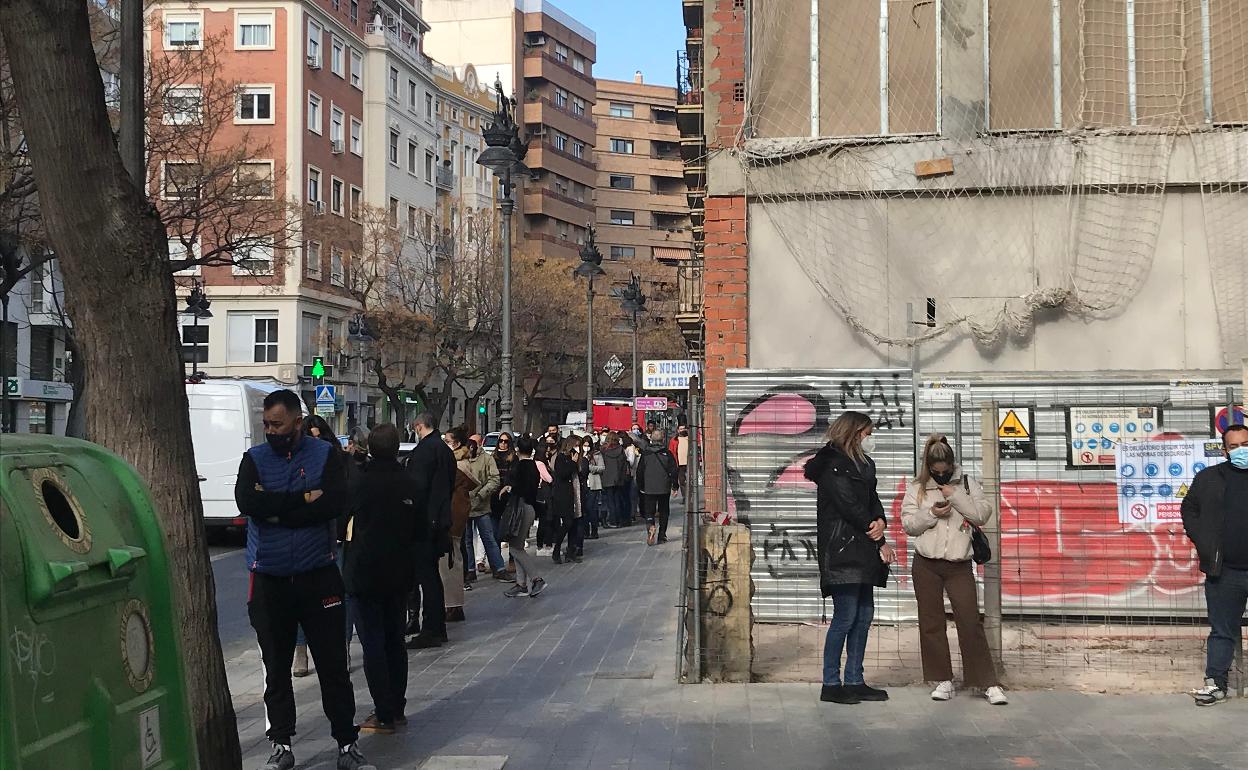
x=318, y=367
x=480, y=408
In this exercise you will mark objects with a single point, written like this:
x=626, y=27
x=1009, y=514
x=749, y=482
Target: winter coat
x=679, y=447
x=485, y=473
x=596, y=467
x=847, y=503
x=563, y=487
x=948, y=537
x=385, y=524
x=461, y=498
x=615, y=467
x=432, y=464
x=1204, y=515
x=656, y=470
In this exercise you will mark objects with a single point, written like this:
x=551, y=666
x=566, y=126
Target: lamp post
x=591, y=268
x=504, y=155
x=634, y=301
x=358, y=332
x=197, y=304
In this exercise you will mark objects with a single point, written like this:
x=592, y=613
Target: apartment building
x=545, y=59
x=643, y=211
x=296, y=74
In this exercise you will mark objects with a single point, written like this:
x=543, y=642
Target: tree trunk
x=398, y=409
x=114, y=259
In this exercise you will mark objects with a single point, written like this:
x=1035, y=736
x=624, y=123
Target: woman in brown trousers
x=940, y=506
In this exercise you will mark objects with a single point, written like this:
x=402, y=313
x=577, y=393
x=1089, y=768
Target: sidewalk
x=582, y=677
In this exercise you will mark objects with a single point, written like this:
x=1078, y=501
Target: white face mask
x=868, y=444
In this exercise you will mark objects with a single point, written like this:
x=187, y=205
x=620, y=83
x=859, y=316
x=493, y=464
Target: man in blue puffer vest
x=292, y=488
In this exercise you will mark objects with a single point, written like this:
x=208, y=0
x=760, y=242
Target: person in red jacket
x=679, y=447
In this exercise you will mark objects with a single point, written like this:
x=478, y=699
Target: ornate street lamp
x=633, y=300
x=197, y=304
x=591, y=268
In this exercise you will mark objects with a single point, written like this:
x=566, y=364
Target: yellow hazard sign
x=1012, y=427
x=1182, y=493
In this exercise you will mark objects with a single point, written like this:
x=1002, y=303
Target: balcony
x=445, y=246
x=402, y=40
x=695, y=174
x=693, y=13
x=445, y=178
x=689, y=309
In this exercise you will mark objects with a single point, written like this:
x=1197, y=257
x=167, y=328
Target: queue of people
x=364, y=542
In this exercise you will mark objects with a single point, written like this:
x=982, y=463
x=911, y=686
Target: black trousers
x=315, y=600
x=570, y=528
x=660, y=505
x=427, y=603
x=379, y=620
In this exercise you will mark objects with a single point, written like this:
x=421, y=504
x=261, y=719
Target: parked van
x=226, y=421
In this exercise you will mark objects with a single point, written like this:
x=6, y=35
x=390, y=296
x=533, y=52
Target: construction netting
x=1010, y=159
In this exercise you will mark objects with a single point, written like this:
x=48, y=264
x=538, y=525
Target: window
x=454, y=114
x=578, y=63
x=621, y=110
x=194, y=341
x=392, y=213
x=623, y=252
x=429, y=107
x=183, y=105
x=309, y=336
x=314, y=113
x=621, y=181
x=37, y=277
x=578, y=106
x=561, y=52
x=429, y=167
x=255, y=259
x=314, y=184
x=561, y=97
x=472, y=121
x=337, y=56
x=337, y=268
x=182, y=180
x=252, y=338
x=314, y=43
x=393, y=150
x=336, y=119
x=336, y=195
x=357, y=69
x=179, y=252
x=312, y=262
x=412, y=159
x=254, y=180
x=357, y=132
x=392, y=86
x=357, y=201
x=255, y=104
x=183, y=30
x=578, y=148
x=561, y=142
x=620, y=217
x=622, y=145
x=355, y=11
x=255, y=30
x=412, y=221
x=413, y=96
x=112, y=89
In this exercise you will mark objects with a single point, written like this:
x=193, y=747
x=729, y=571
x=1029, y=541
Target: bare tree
x=113, y=256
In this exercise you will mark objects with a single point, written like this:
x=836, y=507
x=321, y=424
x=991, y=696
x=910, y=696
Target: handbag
x=512, y=521
x=981, y=549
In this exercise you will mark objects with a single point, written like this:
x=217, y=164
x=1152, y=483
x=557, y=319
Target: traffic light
x=482, y=411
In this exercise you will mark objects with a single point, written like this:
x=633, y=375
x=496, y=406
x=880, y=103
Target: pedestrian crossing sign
x=325, y=394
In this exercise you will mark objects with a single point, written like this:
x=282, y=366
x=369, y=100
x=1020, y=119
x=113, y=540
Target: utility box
x=92, y=672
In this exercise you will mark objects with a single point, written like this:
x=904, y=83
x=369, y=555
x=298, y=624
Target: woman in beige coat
x=940, y=506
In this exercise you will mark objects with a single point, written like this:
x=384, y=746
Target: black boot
x=556, y=557
x=835, y=693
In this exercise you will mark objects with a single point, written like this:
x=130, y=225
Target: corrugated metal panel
x=776, y=420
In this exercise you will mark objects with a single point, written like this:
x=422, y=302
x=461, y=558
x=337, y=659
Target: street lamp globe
x=591, y=259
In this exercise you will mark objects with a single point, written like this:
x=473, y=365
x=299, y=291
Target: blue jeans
x=1226, y=597
x=853, y=607
x=485, y=528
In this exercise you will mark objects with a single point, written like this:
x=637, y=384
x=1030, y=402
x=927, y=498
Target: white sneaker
x=996, y=696
x=1209, y=695
x=943, y=691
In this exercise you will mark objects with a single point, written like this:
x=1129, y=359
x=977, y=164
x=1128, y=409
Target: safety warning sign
x=1153, y=477
x=1093, y=433
x=1014, y=433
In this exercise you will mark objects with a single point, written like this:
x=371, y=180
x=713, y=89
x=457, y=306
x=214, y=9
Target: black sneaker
x=423, y=642
x=835, y=693
x=350, y=758
x=866, y=693
x=1210, y=695
x=536, y=587
x=282, y=758
x=503, y=576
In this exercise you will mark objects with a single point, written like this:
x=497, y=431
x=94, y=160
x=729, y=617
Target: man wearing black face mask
x=292, y=488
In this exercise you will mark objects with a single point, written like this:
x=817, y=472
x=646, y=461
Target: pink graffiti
x=785, y=414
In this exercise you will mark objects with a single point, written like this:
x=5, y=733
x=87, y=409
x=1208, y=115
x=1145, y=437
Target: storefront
x=38, y=406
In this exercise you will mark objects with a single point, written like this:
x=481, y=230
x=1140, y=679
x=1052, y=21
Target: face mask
x=1239, y=457
x=868, y=444
x=281, y=443
x=942, y=478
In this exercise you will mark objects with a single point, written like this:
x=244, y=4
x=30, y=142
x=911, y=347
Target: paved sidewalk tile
x=582, y=677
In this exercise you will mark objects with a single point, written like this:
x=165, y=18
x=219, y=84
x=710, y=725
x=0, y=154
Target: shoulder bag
x=981, y=549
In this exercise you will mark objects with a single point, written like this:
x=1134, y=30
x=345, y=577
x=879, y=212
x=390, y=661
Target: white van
x=226, y=421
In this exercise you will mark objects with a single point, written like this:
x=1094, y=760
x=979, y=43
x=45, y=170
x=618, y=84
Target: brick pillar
x=725, y=72
x=726, y=302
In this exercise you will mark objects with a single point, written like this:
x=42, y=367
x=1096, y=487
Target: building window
x=392, y=213
x=393, y=148
x=454, y=114
x=112, y=89
x=181, y=180
x=335, y=196
x=622, y=146
x=561, y=142
x=256, y=259
x=314, y=184
x=561, y=52
x=429, y=107
x=337, y=57
x=357, y=133
x=429, y=167
x=336, y=119
x=357, y=202
x=337, y=268
x=412, y=159
x=309, y=336
x=623, y=252
x=621, y=110
x=561, y=97
x=621, y=181
x=472, y=121
x=255, y=30
x=314, y=44
x=621, y=217
x=183, y=30
x=312, y=259
x=413, y=96
x=183, y=105
x=412, y=221
x=357, y=69
x=578, y=148
x=355, y=11
x=392, y=85
x=578, y=106
x=578, y=63
x=314, y=113
x=253, y=180
x=255, y=104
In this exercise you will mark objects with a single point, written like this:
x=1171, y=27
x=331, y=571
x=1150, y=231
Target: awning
x=669, y=252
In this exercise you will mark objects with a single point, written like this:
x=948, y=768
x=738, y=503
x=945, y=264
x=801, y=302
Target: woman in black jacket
x=853, y=554
x=565, y=501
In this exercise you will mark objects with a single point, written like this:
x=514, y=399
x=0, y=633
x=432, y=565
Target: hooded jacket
x=847, y=504
x=656, y=470
x=615, y=467
x=948, y=537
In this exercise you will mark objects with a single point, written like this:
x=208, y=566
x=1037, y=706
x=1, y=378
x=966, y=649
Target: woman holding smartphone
x=940, y=507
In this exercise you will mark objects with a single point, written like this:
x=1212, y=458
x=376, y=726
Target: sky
x=632, y=35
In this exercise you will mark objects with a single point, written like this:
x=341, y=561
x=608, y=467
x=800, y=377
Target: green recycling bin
x=92, y=672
